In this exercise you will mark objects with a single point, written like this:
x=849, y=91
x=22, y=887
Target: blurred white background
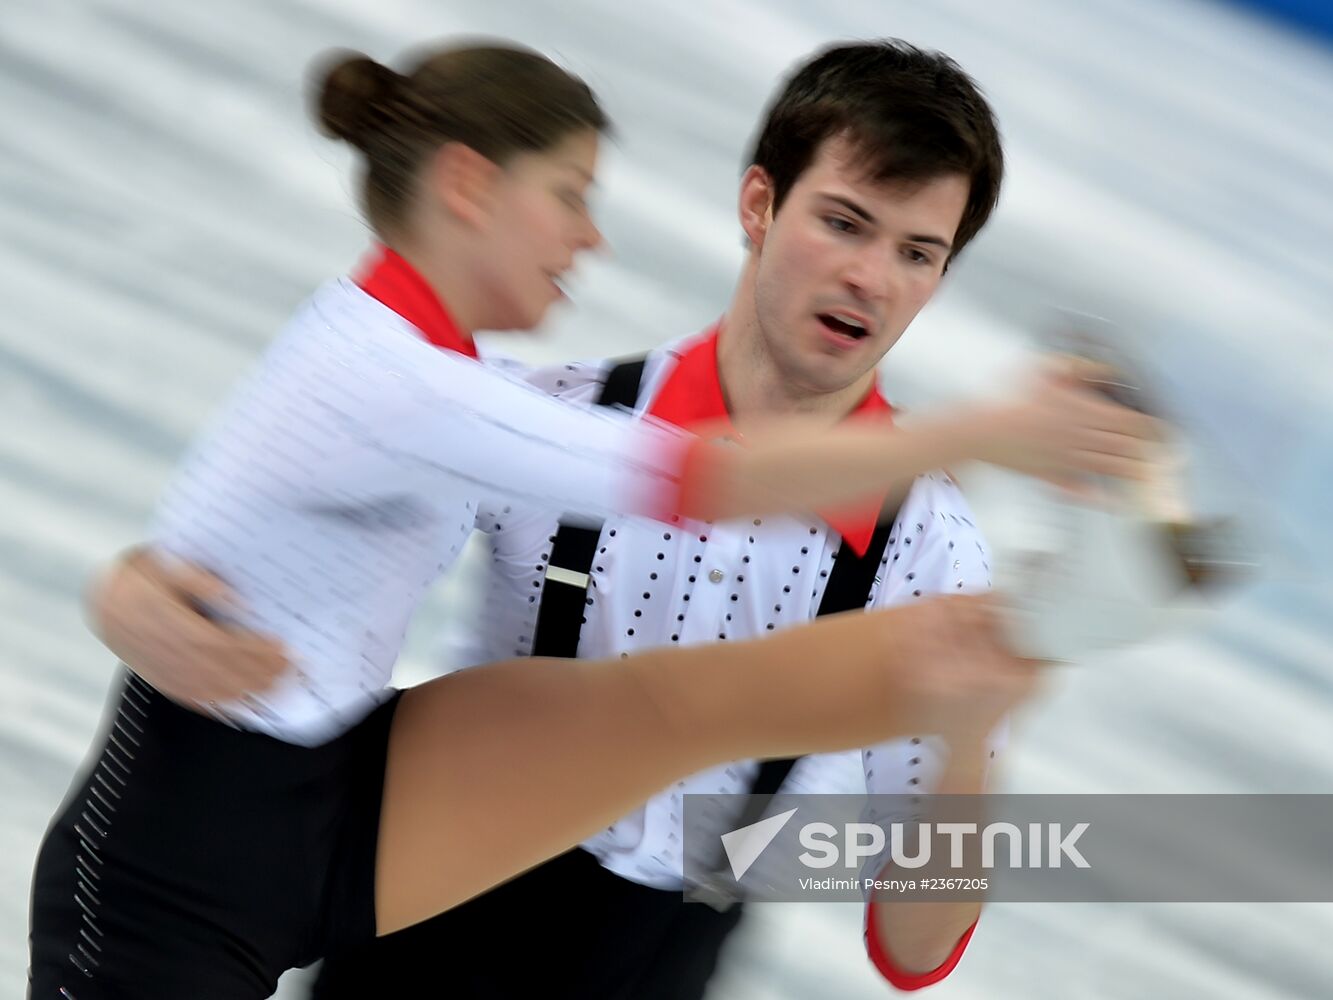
x=164, y=203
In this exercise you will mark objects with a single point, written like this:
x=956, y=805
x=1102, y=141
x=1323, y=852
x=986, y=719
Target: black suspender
x=621, y=387
x=565, y=591
x=852, y=576
x=848, y=588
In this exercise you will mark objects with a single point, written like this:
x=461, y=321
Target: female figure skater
x=204, y=853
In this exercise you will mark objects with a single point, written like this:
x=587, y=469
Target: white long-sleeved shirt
x=344, y=476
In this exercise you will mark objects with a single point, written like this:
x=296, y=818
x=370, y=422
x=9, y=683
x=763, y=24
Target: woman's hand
x=1062, y=430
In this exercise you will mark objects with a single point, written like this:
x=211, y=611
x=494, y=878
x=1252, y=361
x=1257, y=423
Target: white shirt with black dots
x=654, y=585
x=344, y=476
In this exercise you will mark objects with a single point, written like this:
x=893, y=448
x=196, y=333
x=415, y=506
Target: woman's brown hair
x=498, y=99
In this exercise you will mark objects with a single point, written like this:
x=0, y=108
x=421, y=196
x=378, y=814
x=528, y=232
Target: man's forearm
x=920, y=936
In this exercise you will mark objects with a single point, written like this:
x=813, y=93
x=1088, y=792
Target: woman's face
x=538, y=223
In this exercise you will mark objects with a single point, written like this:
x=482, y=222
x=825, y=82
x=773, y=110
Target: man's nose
x=872, y=275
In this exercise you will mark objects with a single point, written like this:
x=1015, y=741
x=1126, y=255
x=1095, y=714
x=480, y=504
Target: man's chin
x=828, y=380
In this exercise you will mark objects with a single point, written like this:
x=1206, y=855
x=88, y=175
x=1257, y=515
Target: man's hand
x=155, y=618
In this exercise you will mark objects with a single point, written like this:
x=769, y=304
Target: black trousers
x=193, y=860
x=566, y=930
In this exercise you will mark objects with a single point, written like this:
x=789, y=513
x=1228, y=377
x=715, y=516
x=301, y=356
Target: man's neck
x=753, y=385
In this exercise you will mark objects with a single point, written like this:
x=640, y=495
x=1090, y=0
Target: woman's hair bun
x=353, y=96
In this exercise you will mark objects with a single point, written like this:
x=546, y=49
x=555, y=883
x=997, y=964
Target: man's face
x=846, y=265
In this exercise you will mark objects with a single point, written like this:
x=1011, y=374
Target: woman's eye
x=916, y=256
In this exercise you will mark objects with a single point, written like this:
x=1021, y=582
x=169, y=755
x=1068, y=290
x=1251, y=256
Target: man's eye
x=839, y=224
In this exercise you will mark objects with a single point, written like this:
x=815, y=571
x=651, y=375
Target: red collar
x=391, y=280
x=692, y=395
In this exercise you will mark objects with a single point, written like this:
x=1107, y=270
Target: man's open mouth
x=842, y=325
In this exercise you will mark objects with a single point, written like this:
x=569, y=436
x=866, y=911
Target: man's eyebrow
x=857, y=210
x=938, y=241
x=851, y=206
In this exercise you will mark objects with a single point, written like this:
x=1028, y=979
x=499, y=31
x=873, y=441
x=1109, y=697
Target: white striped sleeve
x=409, y=417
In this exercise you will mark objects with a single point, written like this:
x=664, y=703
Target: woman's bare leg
x=491, y=771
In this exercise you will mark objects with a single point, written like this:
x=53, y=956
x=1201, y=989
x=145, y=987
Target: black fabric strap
x=852, y=576
x=621, y=387
x=848, y=588
x=565, y=590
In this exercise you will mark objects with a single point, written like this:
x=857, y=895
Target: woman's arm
x=1056, y=429
x=451, y=418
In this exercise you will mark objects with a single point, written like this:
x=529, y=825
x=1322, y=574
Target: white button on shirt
x=654, y=585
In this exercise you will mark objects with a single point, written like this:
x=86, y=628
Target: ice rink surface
x=164, y=204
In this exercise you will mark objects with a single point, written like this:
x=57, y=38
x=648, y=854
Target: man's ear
x=463, y=182
x=756, y=204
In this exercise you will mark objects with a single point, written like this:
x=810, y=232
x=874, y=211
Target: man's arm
x=168, y=624
x=915, y=944
x=937, y=549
